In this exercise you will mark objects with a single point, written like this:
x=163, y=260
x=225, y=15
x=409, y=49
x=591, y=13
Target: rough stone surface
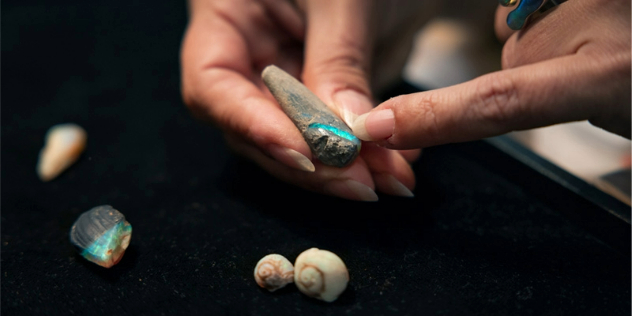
x=329, y=138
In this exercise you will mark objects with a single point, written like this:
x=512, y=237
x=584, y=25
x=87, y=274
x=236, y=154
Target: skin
x=324, y=43
x=571, y=63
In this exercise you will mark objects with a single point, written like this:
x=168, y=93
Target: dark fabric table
x=472, y=241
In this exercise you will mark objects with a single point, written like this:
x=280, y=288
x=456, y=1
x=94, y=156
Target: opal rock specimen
x=101, y=235
x=320, y=274
x=64, y=145
x=274, y=272
x=329, y=138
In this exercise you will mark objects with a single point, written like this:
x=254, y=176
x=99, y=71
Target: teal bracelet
x=517, y=18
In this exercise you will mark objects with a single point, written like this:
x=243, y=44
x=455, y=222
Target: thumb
x=337, y=55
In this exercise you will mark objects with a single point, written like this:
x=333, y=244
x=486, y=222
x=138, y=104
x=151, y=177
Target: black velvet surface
x=472, y=241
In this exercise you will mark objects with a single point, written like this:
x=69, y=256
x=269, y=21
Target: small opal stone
x=101, y=235
x=329, y=138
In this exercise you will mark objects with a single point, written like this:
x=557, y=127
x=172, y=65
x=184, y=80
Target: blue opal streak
x=99, y=248
x=518, y=17
x=334, y=130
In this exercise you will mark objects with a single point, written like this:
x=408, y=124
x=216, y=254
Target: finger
x=503, y=32
x=337, y=55
x=353, y=182
x=410, y=155
x=555, y=33
x=288, y=16
x=337, y=58
x=245, y=111
x=562, y=31
x=251, y=21
x=391, y=173
x=520, y=98
x=215, y=87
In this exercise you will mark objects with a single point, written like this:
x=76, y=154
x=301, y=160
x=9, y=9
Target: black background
x=472, y=241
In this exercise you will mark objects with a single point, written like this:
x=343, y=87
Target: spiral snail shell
x=320, y=274
x=274, y=272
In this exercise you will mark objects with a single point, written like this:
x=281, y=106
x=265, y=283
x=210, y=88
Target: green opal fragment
x=101, y=235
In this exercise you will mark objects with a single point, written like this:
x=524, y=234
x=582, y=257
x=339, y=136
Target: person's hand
x=572, y=63
x=227, y=45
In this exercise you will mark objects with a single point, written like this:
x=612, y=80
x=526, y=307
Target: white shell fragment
x=64, y=145
x=320, y=274
x=274, y=272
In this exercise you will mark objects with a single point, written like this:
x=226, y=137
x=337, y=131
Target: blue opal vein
x=334, y=130
x=101, y=249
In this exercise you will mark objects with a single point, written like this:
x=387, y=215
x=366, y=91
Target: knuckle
x=427, y=114
x=348, y=55
x=340, y=64
x=417, y=125
x=345, y=58
x=498, y=99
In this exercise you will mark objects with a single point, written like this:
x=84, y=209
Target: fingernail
x=350, y=103
x=375, y=125
x=351, y=189
x=291, y=158
x=390, y=185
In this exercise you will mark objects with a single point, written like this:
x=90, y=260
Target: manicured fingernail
x=376, y=125
x=291, y=158
x=351, y=189
x=390, y=185
x=350, y=103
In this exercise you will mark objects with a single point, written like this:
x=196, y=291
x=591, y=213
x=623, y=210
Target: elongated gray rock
x=329, y=138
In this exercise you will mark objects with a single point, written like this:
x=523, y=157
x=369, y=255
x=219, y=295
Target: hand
x=227, y=45
x=571, y=64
